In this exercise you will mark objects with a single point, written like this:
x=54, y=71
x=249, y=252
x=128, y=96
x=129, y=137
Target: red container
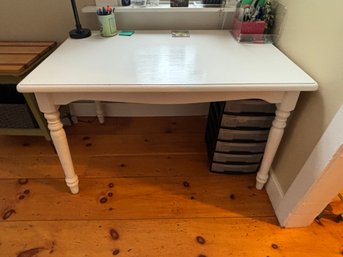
x=253, y=28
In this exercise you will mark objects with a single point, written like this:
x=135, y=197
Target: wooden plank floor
x=163, y=202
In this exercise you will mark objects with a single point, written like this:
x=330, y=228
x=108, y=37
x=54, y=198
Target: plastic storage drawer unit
x=234, y=121
x=236, y=135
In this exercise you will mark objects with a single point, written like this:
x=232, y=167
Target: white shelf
x=163, y=8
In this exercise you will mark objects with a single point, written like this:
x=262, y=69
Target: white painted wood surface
x=162, y=8
x=154, y=61
x=282, y=113
x=99, y=112
x=61, y=145
x=153, y=67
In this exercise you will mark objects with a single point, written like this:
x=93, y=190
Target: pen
x=104, y=10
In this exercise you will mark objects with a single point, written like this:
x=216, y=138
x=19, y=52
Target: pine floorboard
x=169, y=237
x=162, y=199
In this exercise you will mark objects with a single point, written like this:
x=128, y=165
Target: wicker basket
x=16, y=116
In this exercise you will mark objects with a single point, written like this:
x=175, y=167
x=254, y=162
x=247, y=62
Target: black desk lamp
x=79, y=32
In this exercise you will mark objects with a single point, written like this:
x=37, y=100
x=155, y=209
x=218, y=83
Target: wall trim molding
x=274, y=190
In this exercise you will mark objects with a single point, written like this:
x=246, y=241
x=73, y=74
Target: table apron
x=45, y=100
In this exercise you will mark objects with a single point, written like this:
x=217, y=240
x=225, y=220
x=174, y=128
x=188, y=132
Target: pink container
x=253, y=28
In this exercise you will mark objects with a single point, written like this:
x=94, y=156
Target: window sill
x=163, y=8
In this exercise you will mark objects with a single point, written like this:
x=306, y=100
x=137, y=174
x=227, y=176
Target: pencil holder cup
x=107, y=23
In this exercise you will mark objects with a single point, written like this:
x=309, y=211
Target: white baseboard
x=140, y=110
x=274, y=190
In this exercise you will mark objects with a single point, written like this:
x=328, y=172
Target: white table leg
x=99, y=112
x=276, y=132
x=72, y=114
x=61, y=145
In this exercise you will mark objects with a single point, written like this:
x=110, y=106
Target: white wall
x=37, y=19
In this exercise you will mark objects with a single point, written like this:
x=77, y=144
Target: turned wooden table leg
x=74, y=118
x=276, y=132
x=99, y=112
x=59, y=139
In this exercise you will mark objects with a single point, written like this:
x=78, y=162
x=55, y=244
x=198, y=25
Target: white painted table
x=153, y=67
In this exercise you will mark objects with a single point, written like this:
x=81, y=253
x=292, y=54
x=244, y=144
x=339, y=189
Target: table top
x=154, y=61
